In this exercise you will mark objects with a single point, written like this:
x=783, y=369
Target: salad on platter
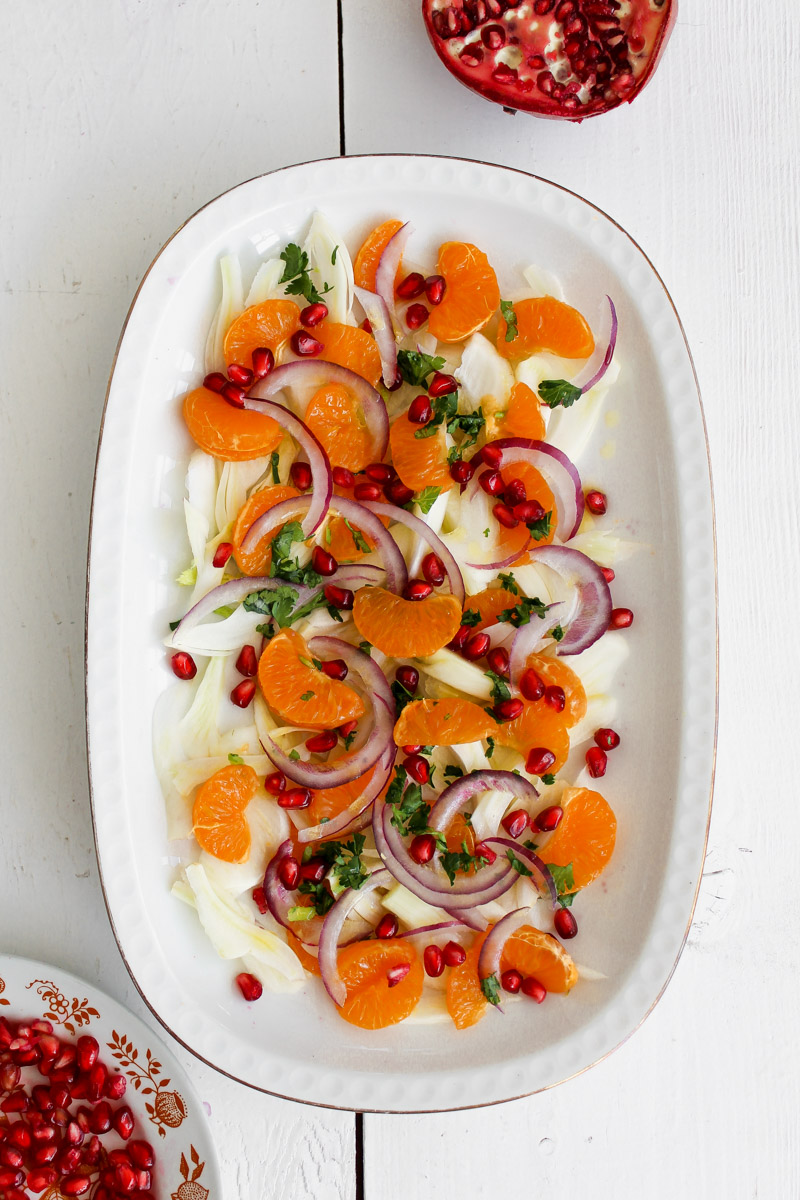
x=382, y=760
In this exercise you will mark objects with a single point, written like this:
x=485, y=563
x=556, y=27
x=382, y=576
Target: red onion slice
x=388, y=265
x=431, y=539
x=358, y=808
x=360, y=516
x=592, y=613
x=273, y=518
x=316, y=373
x=501, y=564
x=541, y=870
x=331, y=930
x=279, y=901
x=607, y=355
x=380, y=320
x=492, y=949
x=454, y=797
x=233, y=592
x=321, y=476
x=529, y=639
x=560, y=474
x=431, y=928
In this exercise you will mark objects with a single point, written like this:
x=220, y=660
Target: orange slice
x=585, y=837
x=306, y=960
x=371, y=1003
x=532, y=952
x=257, y=561
x=420, y=462
x=269, y=324
x=298, y=692
x=545, y=323
x=232, y=434
x=335, y=417
x=350, y=347
x=489, y=603
x=405, y=628
x=537, y=726
x=536, y=489
x=218, y=818
x=443, y=723
x=523, y=417
x=471, y=295
x=466, y=1002
x=329, y=802
x=555, y=673
x=368, y=257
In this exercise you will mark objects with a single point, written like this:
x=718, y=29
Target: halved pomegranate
x=567, y=59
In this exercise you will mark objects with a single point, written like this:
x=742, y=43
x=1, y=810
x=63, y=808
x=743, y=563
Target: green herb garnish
x=296, y=277
x=558, y=391
x=510, y=318
x=415, y=367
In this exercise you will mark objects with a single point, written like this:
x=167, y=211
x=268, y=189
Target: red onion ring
x=432, y=539
x=380, y=319
x=534, y=860
x=503, y=562
x=431, y=928
x=321, y=476
x=458, y=793
x=388, y=265
x=273, y=518
x=607, y=356
x=561, y=476
x=232, y=592
x=590, y=618
x=332, y=927
x=492, y=949
x=358, y=808
x=360, y=516
x=528, y=639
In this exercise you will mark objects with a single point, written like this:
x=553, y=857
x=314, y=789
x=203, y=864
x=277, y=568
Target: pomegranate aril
x=342, y=477
x=241, y=376
x=323, y=563
x=515, y=492
x=515, y=823
x=37, y=1181
x=118, y=1158
x=608, y=574
x=234, y=395
x=141, y=1153
x=99, y=1121
x=460, y=640
x=596, y=502
x=59, y=1117
x=416, y=316
x=335, y=668
x=607, y=739
x=295, y=798
x=433, y=961
x=61, y=1095
x=10, y=1157
x=442, y=385
x=367, y=491
x=247, y=662
x=183, y=665
x=435, y=285
x=493, y=36
x=492, y=456
x=289, y=872
x=483, y=851
x=366, y=325
x=243, y=693
x=531, y=987
x=395, y=974
x=124, y=1176
x=433, y=569
x=548, y=819
x=453, y=954
x=263, y=362
x=555, y=698
x=408, y=677
x=300, y=474
x=511, y=981
x=532, y=685
x=565, y=924
x=528, y=511
x=9, y=1076
x=621, y=618
x=505, y=516
x=313, y=314
x=304, y=345
x=596, y=761
x=418, y=768
x=67, y=1057
x=420, y=410
x=380, y=472
x=321, y=743
x=275, y=783
x=97, y=1081
x=91, y=1151
x=508, y=710
x=412, y=749
x=476, y=646
x=215, y=382
x=417, y=589
x=491, y=481
x=387, y=926
x=68, y=1160
x=16, y=1102
x=75, y=1185
x=497, y=660
x=338, y=597
x=412, y=286
x=249, y=986
x=422, y=848
x=461, y=471
x=540, y=760
x=260, y=900
x=19, y=1135
x=397, y=493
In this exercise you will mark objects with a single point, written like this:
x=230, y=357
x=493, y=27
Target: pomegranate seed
x=118, y=1158
x=241, y=376
x=97, y=1080
x=61, y=1096
x=493, y=36
x=142, y=1183
x=460, y=640
x=305, y=345
x=508, y=710
x=433, y=569
x=313, y=870
x=68, y=1160
x=416, y=316
x=483, y=851
x=380, y=472
x=515, y=492
x=183, y=665
x=531, y=685
x=540, y=760
x=37, y=1181
x=275, y=783
x=99, y=1122
x=565, y=923
x=289, y=872
x=320, y=743
x=417, y=589
x=549, y=818
x=408, y=677
x=260, y=900
x=367, y=491
x=10, y=1073
x=313, y=314
x=335, y=668
x=528, y=511
x=435, y=288
x=342, y=477
x=263, y=362
x=366, y=325
x=251, y=989
x=338, y=597
x=492, y=456
x=44, y=1133
x=387, y=926
x=476, y=646
x=442, y=385
x=621, y=618
x=75, y=1185
x=531, y=987
x=607, y=739
x=498, y=661
x=433, y=961
x=608, y=574
x=215, y=382
x=10, y=1157
x=491, y=481
x=243, y=693
x=16, y=1102
x=422, y=848
x=300, y=474
x=453, y=954
x=141, y=1154
x=471, y=56
x=234, y=395
x=59, y=1117
x=91, y=1152
x=395, y=974
x=124, y=1176
x=417, y=767
x=505, y=516
x=596, y=503
x=222, y=553
x=412, y=749
x=596, y=761
x=295, y=798
x=515, y=823
x=461, y=471
x=412, y=286
x=397, y=493
x=511, y=981
x=19, y=1135
x=554, y=696
x=420, y=410
x=323, y=562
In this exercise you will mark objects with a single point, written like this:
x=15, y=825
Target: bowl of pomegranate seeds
x=91, y=1103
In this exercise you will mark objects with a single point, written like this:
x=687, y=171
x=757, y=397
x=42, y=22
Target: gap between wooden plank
x=359, y=1148
x=342, y=148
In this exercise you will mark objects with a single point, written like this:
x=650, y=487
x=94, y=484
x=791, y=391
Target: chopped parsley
x=489, y=747
x=509, y=582
x=453, y=773
x=470, y=617
x=348, y=741
x=402, y=696
x=235, y=759
x=558, y=391
x=518, y=866
x=445, y=411
x=500, y=689
x=541, y=528
x=174, y=625
x=491, y=989
x=277, y=603
x=306, y=695
x=427, y=498
x=415, y=367
x=548, y=780
x=319, y=895
x=274, y=460
x=358, y=537
x=520, y=614
x=461, y=860
x=564, y=880
x=296, y=277
x=333, y=256
x=294, y=755
x=510, y=318
x=557, y=633
x=345, y=860
x=366, y=647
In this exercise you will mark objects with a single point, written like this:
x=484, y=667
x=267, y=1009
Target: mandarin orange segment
x=369, y=254
x=489, y=604
x=298, y=692
x=257, y=561
x=351, y=347
x=450, y=722
x=329, y=802
x=269, y=324
x=585, y=837
x=466, y=1002
x=523, y=417
x=420, y=462
x=232, y=434
x=471, y=295
x=218, y=819
x=532, y=952
x=555, y=673
x=536, y=488
x=546, y=324
x=335, y=417
x=308, y=961
x=405, y=628
x=364, y=968
x=538, y=726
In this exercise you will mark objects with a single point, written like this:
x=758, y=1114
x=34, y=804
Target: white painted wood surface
x=118, y=120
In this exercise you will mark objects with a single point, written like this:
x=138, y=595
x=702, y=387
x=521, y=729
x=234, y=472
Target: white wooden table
x=119, y=118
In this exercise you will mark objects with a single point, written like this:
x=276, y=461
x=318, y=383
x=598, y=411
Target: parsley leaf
x=565, y=883
x=491, y=989
x=174, y=625
x=320, y=895
x=394, y=792
x=274, y=460
x=518, y=866
x=500, y=689
x=520, y=614
x=556, y=633
x=415, y=367
x=427, y=497
x=348, y=741
x=453, y=772
x=235, y=759
x=558, y=391
x=402, y=696
x=510, y=318
x=333, y=256
x=541, y=528
x=345, y=859
x=294, y=755
x=490, y=747
x=509, y=582
x=470, y=617
x=469, y=423
x=366, y=647
x=548, y=780
x=276, y=603
x=461, y=860
x=358, y=537
x=282, y=542
x=306, y=695
x=296, y=277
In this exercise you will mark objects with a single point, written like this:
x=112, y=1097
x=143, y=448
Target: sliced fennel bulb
x=322, y=245
x=412, y=912
x=485, y=376
x=231, y=305
x=266, y=284
x=457, y=673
